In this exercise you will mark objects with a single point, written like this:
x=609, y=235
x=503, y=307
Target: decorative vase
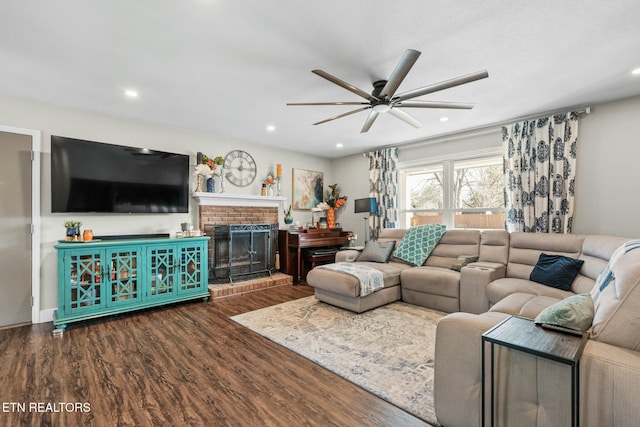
x=87, y=236
x=73, y=233
x=211, y=185
x=288, y=220
x=331, y=217
x=270, y=190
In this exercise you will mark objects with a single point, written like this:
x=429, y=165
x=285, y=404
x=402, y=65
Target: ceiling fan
x=383, y=98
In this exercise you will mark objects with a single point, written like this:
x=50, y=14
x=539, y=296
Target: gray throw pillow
x=462, y=261
x=377, y=251
x=574, y=312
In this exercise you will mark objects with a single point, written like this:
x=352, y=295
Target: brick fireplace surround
x=226, y=215
x=224, y=209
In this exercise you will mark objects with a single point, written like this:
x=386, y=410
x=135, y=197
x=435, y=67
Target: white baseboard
x=46, y=315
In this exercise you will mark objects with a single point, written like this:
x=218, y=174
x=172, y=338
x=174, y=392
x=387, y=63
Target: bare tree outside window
x=479, y=187
x=426, y=190
x=476, y=188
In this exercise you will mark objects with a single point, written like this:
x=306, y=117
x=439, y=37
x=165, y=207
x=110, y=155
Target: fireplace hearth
x=241, y=251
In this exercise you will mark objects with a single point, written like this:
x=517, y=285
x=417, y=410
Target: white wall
x=68, y=122
x=607, y=170
x=352, y=174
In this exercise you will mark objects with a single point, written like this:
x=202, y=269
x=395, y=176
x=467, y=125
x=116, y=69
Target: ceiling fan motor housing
x=378, y=85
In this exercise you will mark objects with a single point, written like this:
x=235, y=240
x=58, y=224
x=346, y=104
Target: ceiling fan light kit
x=383, y=98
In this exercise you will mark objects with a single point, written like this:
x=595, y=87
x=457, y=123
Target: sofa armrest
x=457, y=368
x=474, y=279
x=347, y=255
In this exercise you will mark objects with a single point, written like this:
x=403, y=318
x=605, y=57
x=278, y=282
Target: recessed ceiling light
x=271, y=128
x=130, y=93
x=339, y=145
x=444, y=119
x=636, y=72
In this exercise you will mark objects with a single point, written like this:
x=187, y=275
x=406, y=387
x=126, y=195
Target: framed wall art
x=308, y=187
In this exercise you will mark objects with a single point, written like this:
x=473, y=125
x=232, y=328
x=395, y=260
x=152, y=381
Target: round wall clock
x=239, y=168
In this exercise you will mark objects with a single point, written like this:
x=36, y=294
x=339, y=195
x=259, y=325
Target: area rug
x=387, y=351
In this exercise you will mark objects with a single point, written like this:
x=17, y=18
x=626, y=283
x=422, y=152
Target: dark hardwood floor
x=183, y=365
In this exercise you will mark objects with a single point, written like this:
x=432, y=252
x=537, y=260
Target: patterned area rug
x=387, y=351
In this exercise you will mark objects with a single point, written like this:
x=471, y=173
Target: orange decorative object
x=279, y=170
x=87, y=236
x=331, y=217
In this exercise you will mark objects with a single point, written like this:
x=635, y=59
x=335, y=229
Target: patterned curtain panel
x=383, y=185
x=540, y=171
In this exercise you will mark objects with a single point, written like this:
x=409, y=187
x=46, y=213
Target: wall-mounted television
x=88, y=176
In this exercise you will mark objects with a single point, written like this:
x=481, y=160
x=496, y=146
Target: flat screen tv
x=88, y=176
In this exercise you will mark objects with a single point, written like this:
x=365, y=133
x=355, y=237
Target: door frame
x=36, y=149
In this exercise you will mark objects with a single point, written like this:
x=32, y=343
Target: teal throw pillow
x=574, y=312
x=418, y=242
x=377, y=251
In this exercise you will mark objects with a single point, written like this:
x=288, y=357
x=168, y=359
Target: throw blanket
x=606, y=276
x=370, y=279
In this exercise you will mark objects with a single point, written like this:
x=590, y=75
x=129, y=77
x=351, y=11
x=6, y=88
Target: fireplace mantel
x=224, y=199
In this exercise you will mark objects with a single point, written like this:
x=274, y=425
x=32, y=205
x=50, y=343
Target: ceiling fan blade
x=347, y=86
x=442, y=85
x=405, y=117
x=402, y=69
x=327, y=103
x=357, y=110
x=434, y=104
x=370, y=119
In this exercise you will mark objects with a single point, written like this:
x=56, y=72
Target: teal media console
x=99, y=278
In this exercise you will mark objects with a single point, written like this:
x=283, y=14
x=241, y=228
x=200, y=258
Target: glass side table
x=524, y=335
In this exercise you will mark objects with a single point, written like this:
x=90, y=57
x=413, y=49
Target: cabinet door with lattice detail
x=83, y=281
x=161, y=264
x=191, y=274
x=124, y=286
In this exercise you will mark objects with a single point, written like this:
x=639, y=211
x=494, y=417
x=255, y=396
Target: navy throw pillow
x=556, y=271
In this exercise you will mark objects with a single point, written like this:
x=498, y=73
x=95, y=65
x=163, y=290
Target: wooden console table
x=291, y=243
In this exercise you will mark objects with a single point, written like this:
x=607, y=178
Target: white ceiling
x=228, y=67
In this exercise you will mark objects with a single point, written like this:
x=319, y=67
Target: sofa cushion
x=502, y=288
x=452, y=244
x=574, y=312
x=525, y=249
x=377, y=251
x=432, y=280
x=557, y=271
x=418, y=242
x=523, y=305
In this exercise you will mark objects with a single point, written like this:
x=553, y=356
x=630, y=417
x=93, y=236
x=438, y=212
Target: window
x=460, y=194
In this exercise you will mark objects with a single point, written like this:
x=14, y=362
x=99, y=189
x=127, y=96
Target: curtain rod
x=481, y=130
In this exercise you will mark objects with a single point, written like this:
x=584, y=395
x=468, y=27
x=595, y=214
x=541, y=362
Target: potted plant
x=288, y=219
x=73, y=230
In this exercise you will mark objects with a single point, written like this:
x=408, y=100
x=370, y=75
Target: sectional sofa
x=496, y=286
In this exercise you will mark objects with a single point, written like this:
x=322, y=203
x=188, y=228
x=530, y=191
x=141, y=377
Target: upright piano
x=291, y=243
